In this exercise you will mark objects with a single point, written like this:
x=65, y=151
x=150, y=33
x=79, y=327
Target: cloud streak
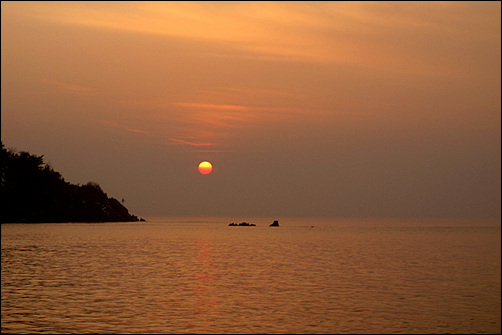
x=124, y=127
x=350, y=33
x=71, y=88
x=191, y=143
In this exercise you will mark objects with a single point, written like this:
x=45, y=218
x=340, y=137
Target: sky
x=304, y=109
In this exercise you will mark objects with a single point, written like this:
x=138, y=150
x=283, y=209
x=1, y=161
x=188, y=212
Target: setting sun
x=205, y=167
x=338, y=128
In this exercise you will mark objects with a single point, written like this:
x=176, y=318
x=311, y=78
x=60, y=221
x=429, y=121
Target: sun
x=205, y=167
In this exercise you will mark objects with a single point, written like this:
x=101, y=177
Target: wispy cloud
x=215, y=115
x=368, y=34
x=122, y=126
x=191, y=143
x=70, y=88
x=209, y=106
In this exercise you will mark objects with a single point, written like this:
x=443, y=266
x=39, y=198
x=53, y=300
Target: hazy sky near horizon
x=344, y=109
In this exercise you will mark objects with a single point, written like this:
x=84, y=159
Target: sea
x=200, y=275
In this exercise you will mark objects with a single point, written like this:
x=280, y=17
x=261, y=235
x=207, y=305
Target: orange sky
x=304, y=108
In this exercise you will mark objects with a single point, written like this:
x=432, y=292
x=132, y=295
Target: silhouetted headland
x=32, y=192
x=275, y=224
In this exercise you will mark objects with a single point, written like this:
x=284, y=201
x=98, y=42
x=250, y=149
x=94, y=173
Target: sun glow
x=205, y=167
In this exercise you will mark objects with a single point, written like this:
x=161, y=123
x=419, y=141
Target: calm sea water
x=202, y=276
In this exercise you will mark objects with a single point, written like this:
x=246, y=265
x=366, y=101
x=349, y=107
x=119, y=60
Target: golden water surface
x=202, y=276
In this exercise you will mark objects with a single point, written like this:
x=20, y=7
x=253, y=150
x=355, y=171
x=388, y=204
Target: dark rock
x=245, y=224
x=275, y=224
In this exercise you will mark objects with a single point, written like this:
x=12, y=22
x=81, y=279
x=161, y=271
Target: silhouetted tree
x=31, y=191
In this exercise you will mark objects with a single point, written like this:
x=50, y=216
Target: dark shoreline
x=32, y=192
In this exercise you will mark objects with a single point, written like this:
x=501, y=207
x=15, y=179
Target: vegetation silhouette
x=32, y=192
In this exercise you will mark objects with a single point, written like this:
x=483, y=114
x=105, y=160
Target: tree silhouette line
x=32, y=192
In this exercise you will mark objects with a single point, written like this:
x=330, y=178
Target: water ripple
x=156, y=278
